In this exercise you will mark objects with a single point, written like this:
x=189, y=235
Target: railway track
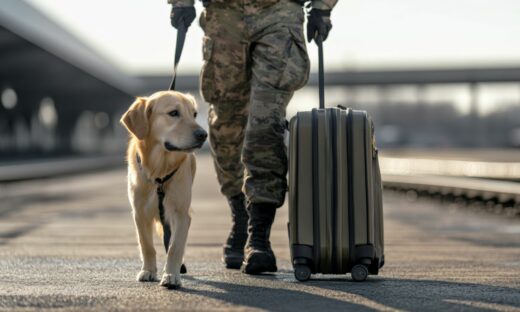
x=480, y=194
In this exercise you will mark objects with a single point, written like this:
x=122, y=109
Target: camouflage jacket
x=318, y=4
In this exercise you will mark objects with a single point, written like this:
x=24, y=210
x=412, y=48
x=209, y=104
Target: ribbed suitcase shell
x=335, y=192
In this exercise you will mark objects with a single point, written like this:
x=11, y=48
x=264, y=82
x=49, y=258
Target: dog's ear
x=191, y=98
x=136, y=118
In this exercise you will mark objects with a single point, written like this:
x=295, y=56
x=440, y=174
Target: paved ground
x=69, y=243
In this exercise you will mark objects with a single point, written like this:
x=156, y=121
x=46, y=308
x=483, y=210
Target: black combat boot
x=259, y=256
x=234, y=247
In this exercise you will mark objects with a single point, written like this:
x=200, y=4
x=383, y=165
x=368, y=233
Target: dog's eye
x=174, y=113
x=195, y=115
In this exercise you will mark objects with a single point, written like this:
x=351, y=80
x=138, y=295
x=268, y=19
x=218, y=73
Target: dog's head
x=166, y=118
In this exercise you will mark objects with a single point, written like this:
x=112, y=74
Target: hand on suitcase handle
x=318, y=22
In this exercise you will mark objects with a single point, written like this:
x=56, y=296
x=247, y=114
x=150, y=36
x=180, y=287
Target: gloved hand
x=182, y=16
x=318, y=24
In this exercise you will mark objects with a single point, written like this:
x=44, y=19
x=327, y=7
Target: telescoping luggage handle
x=181, y=36
x=321, y=75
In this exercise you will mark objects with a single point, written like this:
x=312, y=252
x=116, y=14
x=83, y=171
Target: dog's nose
x=200, y=135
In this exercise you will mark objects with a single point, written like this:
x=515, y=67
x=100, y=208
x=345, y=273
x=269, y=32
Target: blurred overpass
x=421, y=121
x=381, y=78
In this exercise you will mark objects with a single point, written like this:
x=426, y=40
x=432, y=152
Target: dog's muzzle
x=200, y=137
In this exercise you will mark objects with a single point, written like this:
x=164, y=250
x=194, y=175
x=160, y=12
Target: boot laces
x=259, y=238
x=238, y=236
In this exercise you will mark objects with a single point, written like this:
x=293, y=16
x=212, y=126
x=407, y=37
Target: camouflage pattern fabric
x=252, y=65
x=324, y=4
x=318, y=4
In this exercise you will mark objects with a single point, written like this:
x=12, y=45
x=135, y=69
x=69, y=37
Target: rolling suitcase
x=335, y=192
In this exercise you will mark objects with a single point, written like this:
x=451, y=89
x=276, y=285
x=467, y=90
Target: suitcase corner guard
x=302, y=254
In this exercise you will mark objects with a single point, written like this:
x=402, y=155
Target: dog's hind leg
x=181, y=225
x=144, y=227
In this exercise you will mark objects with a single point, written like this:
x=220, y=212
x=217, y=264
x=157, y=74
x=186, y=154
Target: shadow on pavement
x=272, y=299
x=374, y=294
x=409, y=294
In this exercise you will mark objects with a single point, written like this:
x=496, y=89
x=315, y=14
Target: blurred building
x=57, y=96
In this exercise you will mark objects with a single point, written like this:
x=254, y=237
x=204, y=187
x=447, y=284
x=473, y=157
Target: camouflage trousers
x=254, y=60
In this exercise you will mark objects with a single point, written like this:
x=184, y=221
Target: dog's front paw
x=171, y=281
x=146, y=276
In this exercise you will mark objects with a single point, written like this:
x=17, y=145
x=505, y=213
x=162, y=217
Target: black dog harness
x=160, y=198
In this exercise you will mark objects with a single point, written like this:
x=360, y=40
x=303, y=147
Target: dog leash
x=181, y=37
x=160, y=197
x=167, y=233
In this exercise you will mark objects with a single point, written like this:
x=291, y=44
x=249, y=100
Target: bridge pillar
x=474, y=127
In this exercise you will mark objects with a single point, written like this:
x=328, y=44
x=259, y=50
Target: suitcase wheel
x=359, y=272
x=302, y=272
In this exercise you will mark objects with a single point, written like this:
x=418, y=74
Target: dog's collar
x=159, y=181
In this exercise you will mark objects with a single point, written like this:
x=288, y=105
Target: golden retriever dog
x=160, y=158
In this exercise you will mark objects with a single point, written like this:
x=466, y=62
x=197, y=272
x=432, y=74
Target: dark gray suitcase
x=335, y=193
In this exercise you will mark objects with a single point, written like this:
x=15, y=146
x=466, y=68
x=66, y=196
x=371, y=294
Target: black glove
x=318, y=24
x=182, y=16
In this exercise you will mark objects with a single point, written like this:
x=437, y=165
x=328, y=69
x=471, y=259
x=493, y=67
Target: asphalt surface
x=69, y=244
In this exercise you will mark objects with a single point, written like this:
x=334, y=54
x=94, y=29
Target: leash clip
x=160, y=187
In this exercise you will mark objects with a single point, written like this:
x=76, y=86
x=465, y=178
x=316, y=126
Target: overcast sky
x=367, y=34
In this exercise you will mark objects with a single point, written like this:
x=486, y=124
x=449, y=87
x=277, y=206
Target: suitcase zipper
x=367, y=199
x=316, y=192
x=334, y=201
x=350, y=177
x=295, y=182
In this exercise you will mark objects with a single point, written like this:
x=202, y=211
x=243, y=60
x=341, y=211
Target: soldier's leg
x=225, y=85
x=280, y=66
